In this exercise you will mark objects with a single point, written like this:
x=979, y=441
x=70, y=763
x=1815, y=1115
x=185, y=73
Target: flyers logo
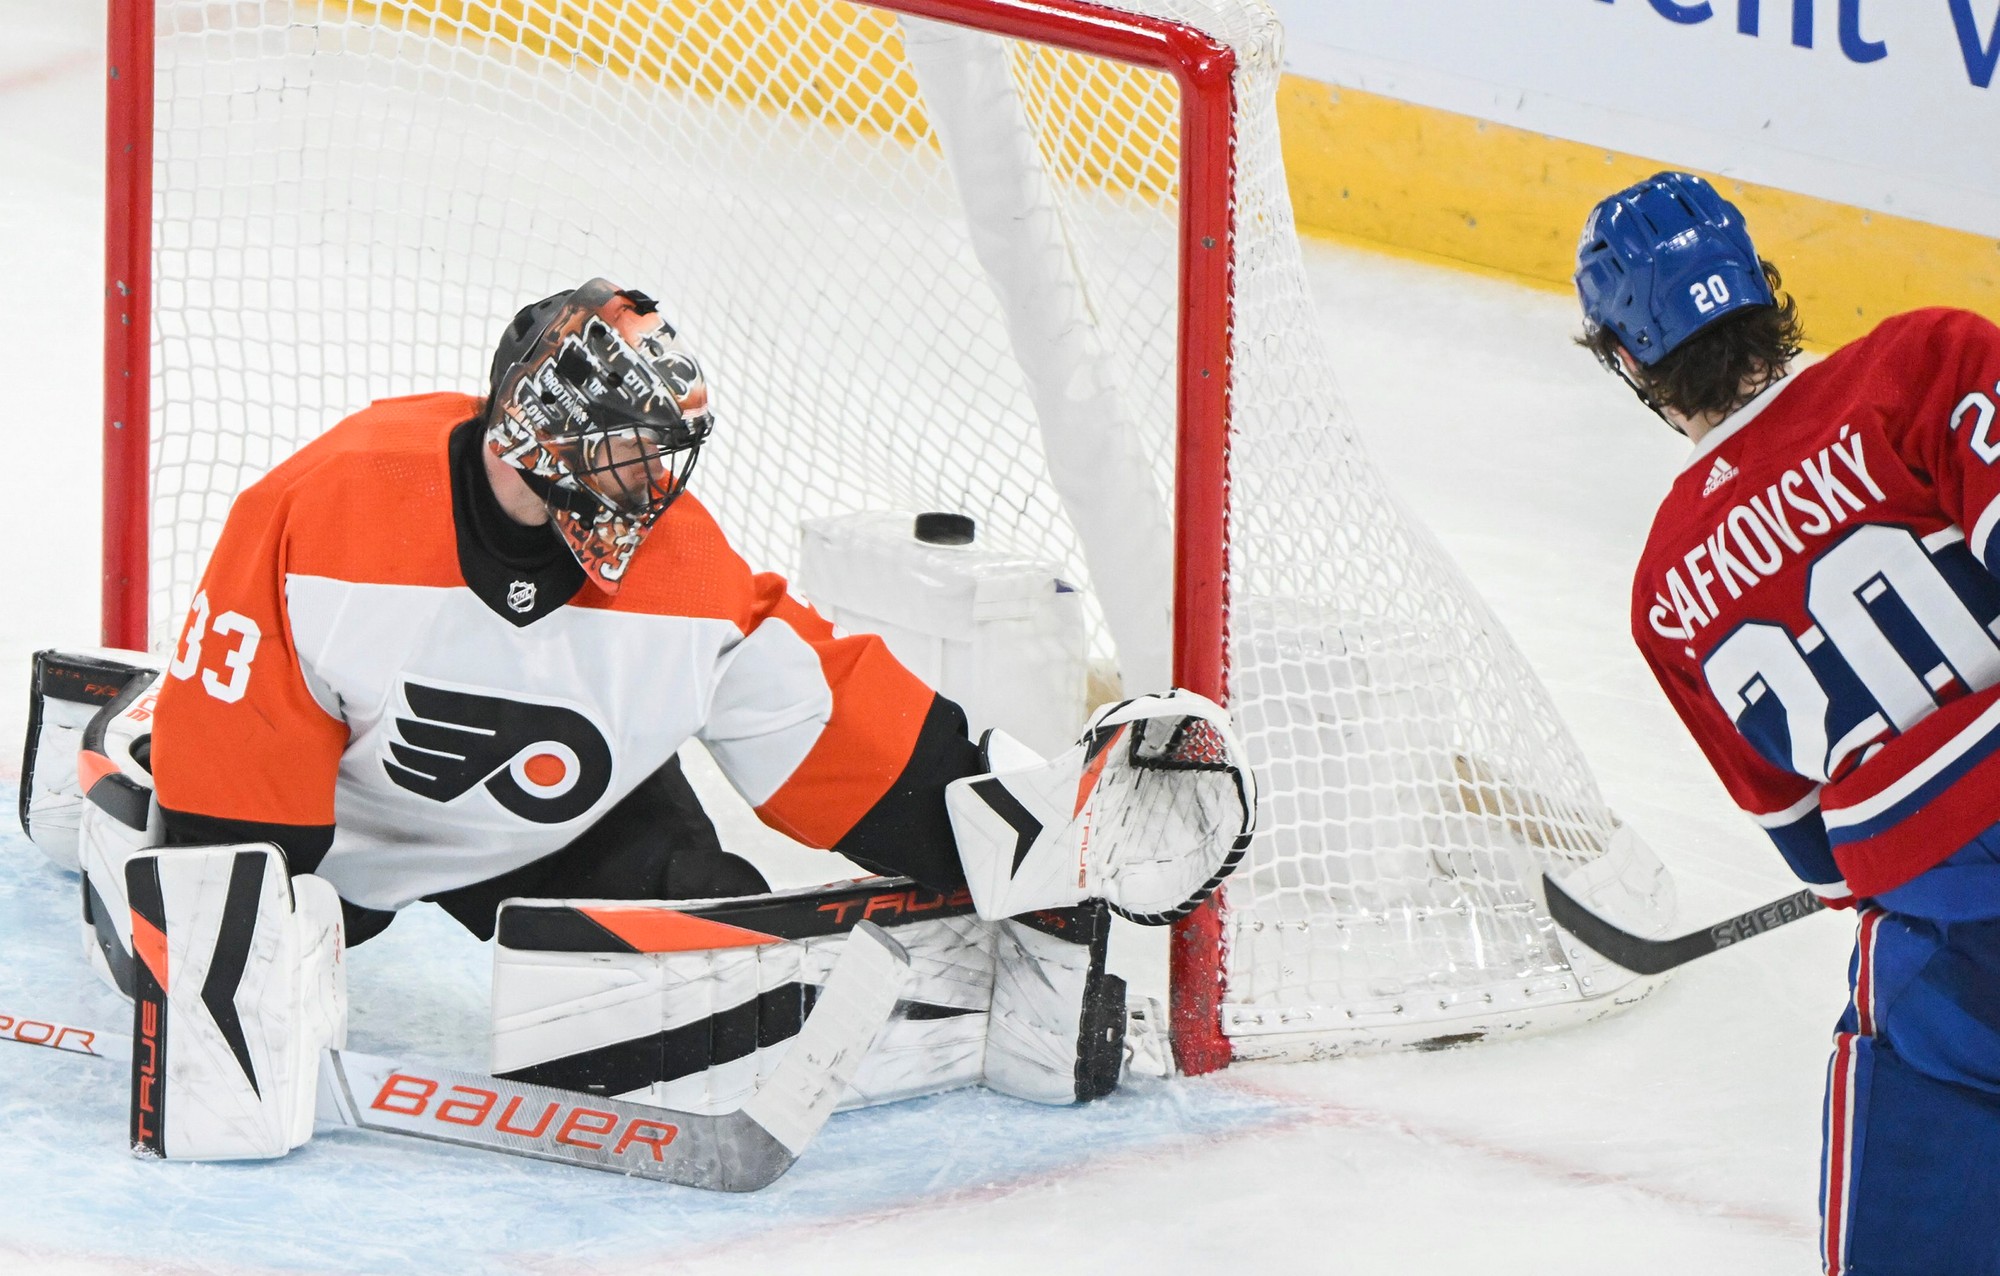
x=540, y=761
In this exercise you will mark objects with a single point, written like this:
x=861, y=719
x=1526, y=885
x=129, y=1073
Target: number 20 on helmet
x=1662, y=260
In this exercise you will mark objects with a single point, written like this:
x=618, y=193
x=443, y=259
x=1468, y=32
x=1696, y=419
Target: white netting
x=352, y=199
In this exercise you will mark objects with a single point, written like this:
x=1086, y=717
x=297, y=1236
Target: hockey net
x=1048, y=278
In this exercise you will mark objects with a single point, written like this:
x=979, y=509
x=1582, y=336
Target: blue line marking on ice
x=355, y=1202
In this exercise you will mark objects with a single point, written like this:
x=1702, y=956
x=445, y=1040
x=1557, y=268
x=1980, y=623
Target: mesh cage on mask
x=604, y=411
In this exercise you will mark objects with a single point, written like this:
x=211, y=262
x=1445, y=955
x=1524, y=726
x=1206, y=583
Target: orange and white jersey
x=356, y=664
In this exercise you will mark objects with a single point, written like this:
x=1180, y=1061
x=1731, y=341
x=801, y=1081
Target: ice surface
x=1680, y=1136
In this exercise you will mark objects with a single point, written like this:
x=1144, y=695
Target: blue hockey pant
x=1910, y=1172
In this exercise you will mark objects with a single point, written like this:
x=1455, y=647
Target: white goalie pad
x=239, y=985
x=1149, y=812
x=66, y=691
x=692, y=1006
x=1056, y=1029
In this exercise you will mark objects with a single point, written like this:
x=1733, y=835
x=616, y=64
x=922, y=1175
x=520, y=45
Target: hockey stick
x=738, y=1151
x=1651, y=956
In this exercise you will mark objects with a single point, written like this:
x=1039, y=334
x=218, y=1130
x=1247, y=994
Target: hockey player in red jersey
x=448, y=652
x=1819, y=598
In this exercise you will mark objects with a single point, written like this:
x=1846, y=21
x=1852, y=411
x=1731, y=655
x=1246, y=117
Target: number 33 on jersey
x=1820, y=598
x=230, y=641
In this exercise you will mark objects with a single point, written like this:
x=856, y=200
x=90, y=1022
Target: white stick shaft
x=858, y=999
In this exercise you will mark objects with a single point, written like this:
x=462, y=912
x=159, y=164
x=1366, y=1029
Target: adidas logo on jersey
x=1719, y=473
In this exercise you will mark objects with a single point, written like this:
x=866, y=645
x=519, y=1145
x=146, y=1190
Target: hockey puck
x=945, y=529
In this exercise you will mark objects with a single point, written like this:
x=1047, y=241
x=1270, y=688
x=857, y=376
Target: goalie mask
x=603, y=410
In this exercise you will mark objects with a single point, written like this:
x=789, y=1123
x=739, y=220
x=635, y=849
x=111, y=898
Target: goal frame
x=1204, y=69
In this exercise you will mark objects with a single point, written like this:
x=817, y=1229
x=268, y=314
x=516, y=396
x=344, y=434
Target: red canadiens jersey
x=338, y=669
x=1818, y=600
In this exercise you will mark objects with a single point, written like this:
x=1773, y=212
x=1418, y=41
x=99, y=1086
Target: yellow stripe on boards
x=1443, y=187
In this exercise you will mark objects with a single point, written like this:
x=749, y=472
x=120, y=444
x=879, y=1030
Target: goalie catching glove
x=1149, y=812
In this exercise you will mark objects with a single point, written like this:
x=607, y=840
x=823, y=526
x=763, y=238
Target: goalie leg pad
x=1149, y=812
x=1057, y=1028
x=239, y=986
x=693, y=1005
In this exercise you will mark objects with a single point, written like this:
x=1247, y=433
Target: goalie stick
x=1651, y=956
x=738, y=1151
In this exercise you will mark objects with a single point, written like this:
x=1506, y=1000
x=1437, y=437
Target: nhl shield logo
x=521, y=595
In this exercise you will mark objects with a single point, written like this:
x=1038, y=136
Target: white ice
x=1681, y=1135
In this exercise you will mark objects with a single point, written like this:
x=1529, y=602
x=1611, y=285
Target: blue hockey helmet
x=1662, y=260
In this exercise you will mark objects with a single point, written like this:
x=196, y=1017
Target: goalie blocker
x=691, y=1005
x=87, y=789
x=67, y=690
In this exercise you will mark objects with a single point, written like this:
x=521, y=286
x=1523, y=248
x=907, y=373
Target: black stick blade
x=1651, y=956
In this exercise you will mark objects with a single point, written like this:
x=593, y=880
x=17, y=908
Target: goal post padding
x=1032, y=260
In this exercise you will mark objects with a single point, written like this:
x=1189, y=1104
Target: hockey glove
x=1149, y=812
x=119, y=818
x=69, y=690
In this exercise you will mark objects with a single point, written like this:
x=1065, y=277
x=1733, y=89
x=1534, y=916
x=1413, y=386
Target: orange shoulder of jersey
x=370, y=500
x=240, y=735
x=685, y=568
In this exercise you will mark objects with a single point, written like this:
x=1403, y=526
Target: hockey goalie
x=448, y=652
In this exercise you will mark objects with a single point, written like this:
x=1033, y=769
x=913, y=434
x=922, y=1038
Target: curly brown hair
x=1723, y=366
